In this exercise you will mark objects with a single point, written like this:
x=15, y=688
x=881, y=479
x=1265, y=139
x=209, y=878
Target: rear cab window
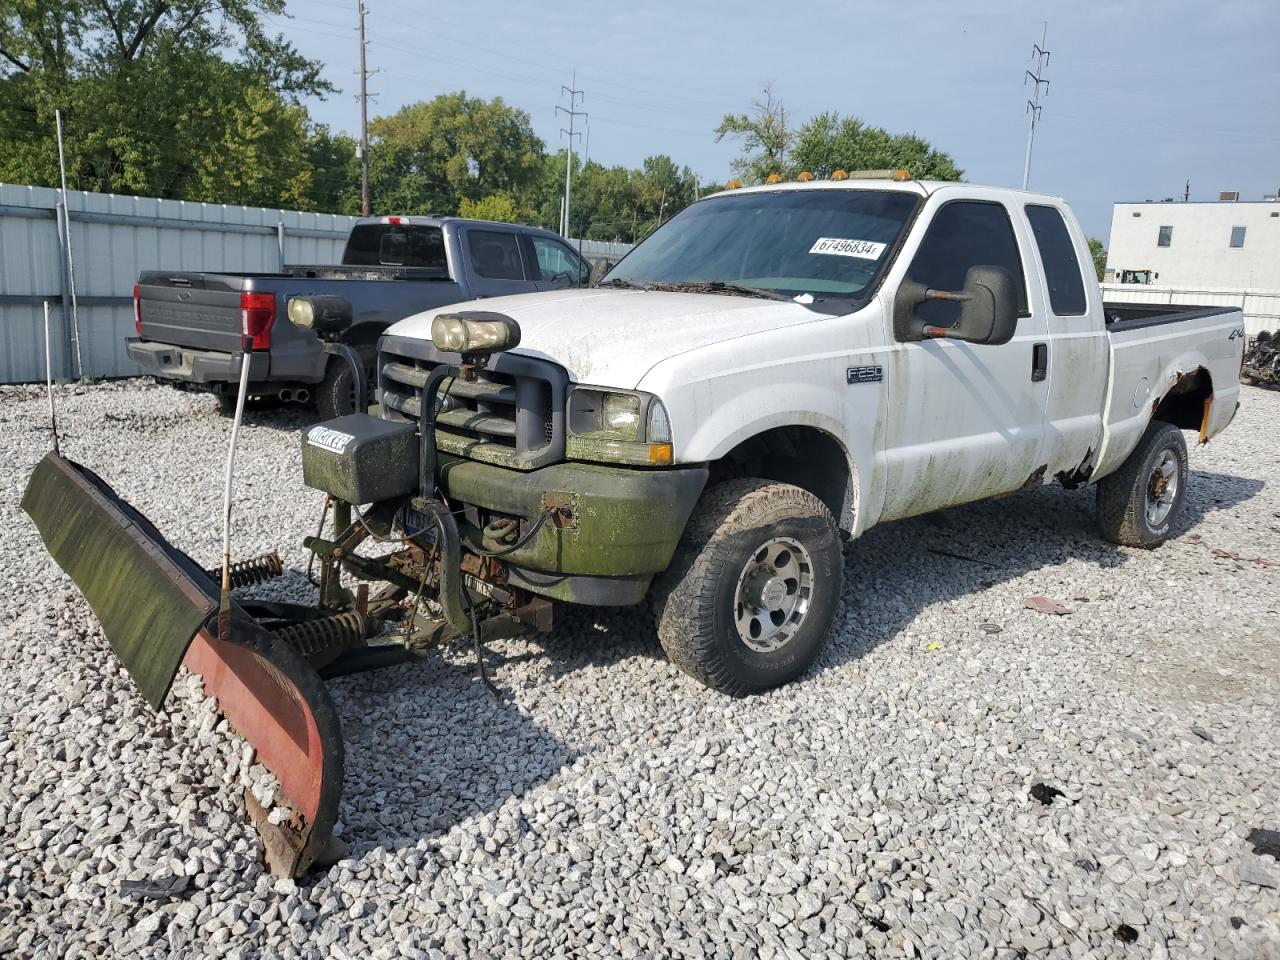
x=964, y=234
x=396, y=245
x=1058, y=255
x=495, y=254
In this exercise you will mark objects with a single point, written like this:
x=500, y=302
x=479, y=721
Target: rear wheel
x=749, y=598
x=1139, y=504
x=336, y=393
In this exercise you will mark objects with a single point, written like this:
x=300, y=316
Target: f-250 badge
x=865, y=374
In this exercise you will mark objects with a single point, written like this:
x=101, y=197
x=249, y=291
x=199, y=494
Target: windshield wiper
x=719, y=286
x=623, y=282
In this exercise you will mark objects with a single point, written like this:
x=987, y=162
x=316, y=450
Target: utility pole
x=1041, y=56
x=573, y=113
x=364, y=116
x=1186, y=192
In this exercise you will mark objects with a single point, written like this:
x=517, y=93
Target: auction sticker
x=839, y=247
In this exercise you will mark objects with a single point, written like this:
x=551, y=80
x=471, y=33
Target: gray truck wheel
x=1140, y=503
x=335, y=394
x=753, y=588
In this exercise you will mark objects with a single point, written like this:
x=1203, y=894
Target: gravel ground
x=960, y=775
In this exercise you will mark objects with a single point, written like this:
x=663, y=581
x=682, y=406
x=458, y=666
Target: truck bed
x=1154, y=349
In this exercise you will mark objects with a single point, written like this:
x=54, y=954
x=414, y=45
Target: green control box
x=361, y=459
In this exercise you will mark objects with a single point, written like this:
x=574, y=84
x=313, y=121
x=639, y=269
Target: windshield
x=822, y=243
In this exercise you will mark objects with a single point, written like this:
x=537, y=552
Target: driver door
x=966, y=420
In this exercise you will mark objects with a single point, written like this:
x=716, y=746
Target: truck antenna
x=48, y=379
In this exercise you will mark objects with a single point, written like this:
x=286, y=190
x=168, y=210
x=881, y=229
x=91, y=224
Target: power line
x=573, y=113
x=1041, y=56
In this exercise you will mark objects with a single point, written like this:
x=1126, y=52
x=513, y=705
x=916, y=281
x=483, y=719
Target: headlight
x=324, y=314
x=474, y=332
x=301, y=313
x=621, y=414
x=615, y=426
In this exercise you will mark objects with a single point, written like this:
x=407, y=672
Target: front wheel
x=1139, y=504
x=749, y=598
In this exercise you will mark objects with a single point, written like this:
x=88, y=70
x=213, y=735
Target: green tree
x=430, y=156
x=1099, y=254
x=824, y=144
x=496, y=206
x=174, y=98
x=830, y=142
x=766, y=139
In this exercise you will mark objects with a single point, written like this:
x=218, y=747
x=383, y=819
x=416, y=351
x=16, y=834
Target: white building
x=1226, y=243
x=1225, y=252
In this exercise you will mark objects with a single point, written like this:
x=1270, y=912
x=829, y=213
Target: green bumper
x=621, y=522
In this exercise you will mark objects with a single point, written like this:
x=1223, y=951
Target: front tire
x=750, y=595
x=336, y=393
x=1140, y=504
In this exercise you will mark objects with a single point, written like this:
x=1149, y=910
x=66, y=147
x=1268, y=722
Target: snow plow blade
x=158, y=609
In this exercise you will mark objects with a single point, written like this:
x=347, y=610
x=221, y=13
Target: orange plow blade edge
x=158, y=608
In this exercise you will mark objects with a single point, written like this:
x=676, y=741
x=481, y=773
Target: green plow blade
x=150, y=597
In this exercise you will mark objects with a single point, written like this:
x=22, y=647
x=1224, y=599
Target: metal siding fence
x=1261, y=308
x=113, y=239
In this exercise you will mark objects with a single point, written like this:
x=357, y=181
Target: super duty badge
x=872, y=374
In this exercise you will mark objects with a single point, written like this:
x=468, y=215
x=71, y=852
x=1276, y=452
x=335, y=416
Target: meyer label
x=327, y=439
x=839, y=247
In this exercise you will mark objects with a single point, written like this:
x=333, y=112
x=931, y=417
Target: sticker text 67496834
x=841, y=247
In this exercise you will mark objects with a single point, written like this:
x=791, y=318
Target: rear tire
x=335, y=394
x=1140, y=504
x=749, y=597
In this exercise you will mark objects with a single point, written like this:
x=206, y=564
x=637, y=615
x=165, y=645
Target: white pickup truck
x=780, y=365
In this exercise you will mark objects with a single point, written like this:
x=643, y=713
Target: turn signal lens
x=658, y=429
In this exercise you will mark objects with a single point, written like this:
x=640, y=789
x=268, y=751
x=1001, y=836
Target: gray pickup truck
x=191, y=326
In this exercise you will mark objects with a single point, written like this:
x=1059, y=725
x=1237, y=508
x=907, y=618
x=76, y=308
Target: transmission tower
x=363, y=97
x=572, y=112
x=1041, y=56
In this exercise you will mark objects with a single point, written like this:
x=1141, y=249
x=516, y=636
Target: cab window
x=557, y=263
x=1058, y=254
x=964, y=234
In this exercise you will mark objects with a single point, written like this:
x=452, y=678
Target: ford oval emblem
x=184, y=294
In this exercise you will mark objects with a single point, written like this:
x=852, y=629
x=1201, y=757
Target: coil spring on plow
x=245, y=573
x=321, y=641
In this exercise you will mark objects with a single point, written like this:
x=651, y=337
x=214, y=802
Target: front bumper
x=203, y=367
x=612, y=530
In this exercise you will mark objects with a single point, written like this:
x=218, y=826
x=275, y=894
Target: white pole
x=224, y=613
x=71, y=267
x=48, y=378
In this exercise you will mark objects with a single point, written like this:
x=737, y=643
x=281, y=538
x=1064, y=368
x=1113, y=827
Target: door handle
x=1039, y=362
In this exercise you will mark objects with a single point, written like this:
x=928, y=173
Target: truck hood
x=613, y=337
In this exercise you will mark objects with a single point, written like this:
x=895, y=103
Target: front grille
x=511, y=415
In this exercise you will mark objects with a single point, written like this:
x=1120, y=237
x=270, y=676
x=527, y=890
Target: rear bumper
x=202, y=367
x=613, y=529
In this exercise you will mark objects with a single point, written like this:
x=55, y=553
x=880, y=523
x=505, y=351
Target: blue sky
x=1144, y=95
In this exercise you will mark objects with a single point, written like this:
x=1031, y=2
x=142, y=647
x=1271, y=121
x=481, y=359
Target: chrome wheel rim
x=1162, y=488
x=773, y=594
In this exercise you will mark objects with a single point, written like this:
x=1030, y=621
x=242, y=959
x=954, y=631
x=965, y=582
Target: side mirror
x=988, y=309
